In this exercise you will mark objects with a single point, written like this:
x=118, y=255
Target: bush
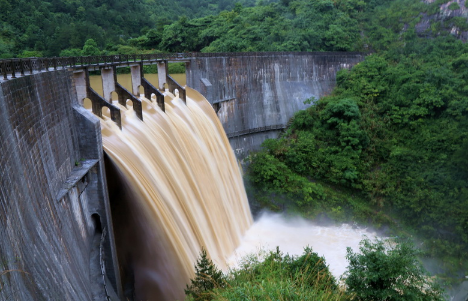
x=281, y=277
x=454, y=6
x=389, y=270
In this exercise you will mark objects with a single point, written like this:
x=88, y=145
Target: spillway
x=178, y=189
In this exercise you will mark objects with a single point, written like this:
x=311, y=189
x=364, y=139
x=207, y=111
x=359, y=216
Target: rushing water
x=183, y=175
x=291, y=235
x=182, y=190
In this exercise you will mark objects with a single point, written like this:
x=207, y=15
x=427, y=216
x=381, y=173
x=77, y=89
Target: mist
x=293, y=234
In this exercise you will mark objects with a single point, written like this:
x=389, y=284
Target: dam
x=56, y=216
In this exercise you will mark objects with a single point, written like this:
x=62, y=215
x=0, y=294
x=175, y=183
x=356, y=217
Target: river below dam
x=291, y=235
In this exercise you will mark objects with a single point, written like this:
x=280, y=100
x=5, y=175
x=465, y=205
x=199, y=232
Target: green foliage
x=327, y=143
x=389, y=270
x=207, y=277
x=52, y=26
x=70, y=52
x=176, y=68
x=392, y=135
x=454, y=6
x=29, y=53
x=90, y=48
x=275, y=176
x=309, y=268
x=276, y=276
x=383, y=270
x=268, y=26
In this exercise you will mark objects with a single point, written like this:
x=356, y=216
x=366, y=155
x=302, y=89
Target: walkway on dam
x=11, y=68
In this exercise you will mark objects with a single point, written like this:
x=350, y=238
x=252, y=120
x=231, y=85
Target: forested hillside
x=61, y=27
x=390, y=145
x=47, y=27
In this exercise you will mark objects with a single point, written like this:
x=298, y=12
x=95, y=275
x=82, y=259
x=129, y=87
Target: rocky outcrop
x=452, y=17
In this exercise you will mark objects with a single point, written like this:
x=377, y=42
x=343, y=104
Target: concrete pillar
x=162, y=74
x=108, y=83
x=136, y=79
x=79, y=76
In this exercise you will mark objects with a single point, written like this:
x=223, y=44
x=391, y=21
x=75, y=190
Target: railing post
x=5, y=74
x=54, y=60
x=21, y=67
x=39, y=63
x=13, y=74
x=30, y=67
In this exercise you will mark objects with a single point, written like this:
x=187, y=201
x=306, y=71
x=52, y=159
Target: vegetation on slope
x=299, y=25
x=59, y=27
x=48, y=27
x=390, y=144
x=382, y=270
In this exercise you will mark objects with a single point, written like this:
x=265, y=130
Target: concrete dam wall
x=255, y=94
x=56, y=237
x=56, y=232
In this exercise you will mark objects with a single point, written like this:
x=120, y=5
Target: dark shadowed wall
x=255, y=94
x=53, y=197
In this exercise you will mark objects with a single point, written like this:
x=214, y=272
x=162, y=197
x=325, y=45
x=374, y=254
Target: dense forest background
x=388, y=147
x=47, y=28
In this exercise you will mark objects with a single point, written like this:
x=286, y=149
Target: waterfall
x=179, y=189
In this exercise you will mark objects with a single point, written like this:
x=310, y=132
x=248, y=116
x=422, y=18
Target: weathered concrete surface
x=81, y=85
x=162, y=74
x=136, y=73
x=258, y=91
x=47, y=143
x=108, y=82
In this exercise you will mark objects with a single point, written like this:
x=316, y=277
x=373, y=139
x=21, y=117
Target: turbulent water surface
x=291, y=235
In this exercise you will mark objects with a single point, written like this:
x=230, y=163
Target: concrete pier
x=136, y=72
x=108, y=82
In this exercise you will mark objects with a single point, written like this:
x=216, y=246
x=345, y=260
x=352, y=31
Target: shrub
x=389, y=270
x=454, y=6
x=281, y=277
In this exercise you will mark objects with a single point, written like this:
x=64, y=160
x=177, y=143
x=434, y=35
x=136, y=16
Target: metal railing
x=268, y=128
x=23, y=66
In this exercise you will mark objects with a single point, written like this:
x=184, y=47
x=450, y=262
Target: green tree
x=207, y=277
x=71, y=52
x=90, y=48
x=29, y=53
x=389, y=270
